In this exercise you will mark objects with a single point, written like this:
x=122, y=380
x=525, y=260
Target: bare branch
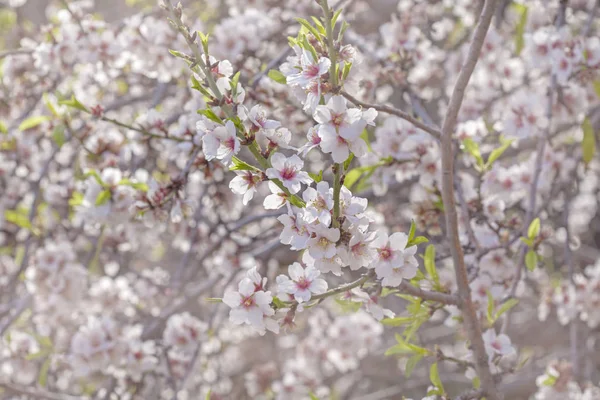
x=471, y=322
x=433, y=131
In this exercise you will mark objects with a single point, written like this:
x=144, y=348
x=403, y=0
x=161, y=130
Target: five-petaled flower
x=302, y=283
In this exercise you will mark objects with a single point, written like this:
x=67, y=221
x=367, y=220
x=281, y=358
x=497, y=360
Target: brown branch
x=433, y=131
x=438, y=297
x=471, y=322
x=541, y=149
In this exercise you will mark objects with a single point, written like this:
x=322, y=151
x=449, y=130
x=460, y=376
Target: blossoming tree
x=313, y=199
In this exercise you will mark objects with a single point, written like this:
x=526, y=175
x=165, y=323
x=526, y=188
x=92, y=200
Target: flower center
x=385, y=253
x=288, y=173
x=303, y=284
x=248, y=302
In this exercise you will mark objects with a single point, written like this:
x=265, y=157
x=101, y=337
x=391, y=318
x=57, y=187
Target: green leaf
x=73, y=103
x=306, y=45
x=490, y=307
x=411, y=232
x=214, y=300
x=49, y=104
x=76, y=199
x=319, y=25
x=3, y=128
x=234, y=82
x=342, y=31
x=434, y=377
x=521, y=10
x=208, y=113
x=429, y=261
x=103, y=197
x=18, y=217
x=335, y=17
x=348, y=306
x=32, y=122
x=527, y=241
x=418, y=240
x=277, y=76
x=385, y=291
x=411, y=364
x=278, y=303
x=398, y=349
x=239, y=165
x=95, y=175
x=397, y=321
x=346, y=70
x=550, y=380
x=207, y=395
x=316, y=177
x=179, y=54
x=472, y=148
x=504, y=307
x=531, y=260
x=348, y=161
x=534, y=229
x=136, y=185
x=476, y=382
x=310, y=28
x=596, y=85
x=496, y=153
x=588, y=144
x=312, y=396
x=58, y=135
x=43, y=373
x=203, y=40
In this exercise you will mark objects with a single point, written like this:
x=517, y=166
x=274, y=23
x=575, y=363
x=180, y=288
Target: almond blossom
x=302, y=283
x=289, y=171
x=340, y=128
x=249, y=306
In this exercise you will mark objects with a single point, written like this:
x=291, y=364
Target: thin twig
x=541, y=149
x=471, y=322
x=433, y=131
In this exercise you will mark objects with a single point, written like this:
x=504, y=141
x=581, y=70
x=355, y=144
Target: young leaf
x=32, y=122
x=531, y=259
x=103, y=197
x=310, y=28
x=73, y=103
x=418, y=240
x=316, y=177
x=429, y=260
x=239, y=165
x=398, y=321
x=490, y=308
x=496, y=153
x=208, y=113
x=588, y=144
x=277, y=76
x=58, y=135
x=411, y=364
x=472, y=148
x=534, y=229
x=43, y=374
x=234, y=83
x=434, y=377
x=504, y=307
x=18, y=218
x=411, y=231
x=521, y=10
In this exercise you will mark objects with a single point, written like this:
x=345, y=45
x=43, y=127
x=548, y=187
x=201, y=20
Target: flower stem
x=330, y=46
x=337, y=187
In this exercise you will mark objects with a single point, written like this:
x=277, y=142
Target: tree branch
x=433, y=131
x=471, y=321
